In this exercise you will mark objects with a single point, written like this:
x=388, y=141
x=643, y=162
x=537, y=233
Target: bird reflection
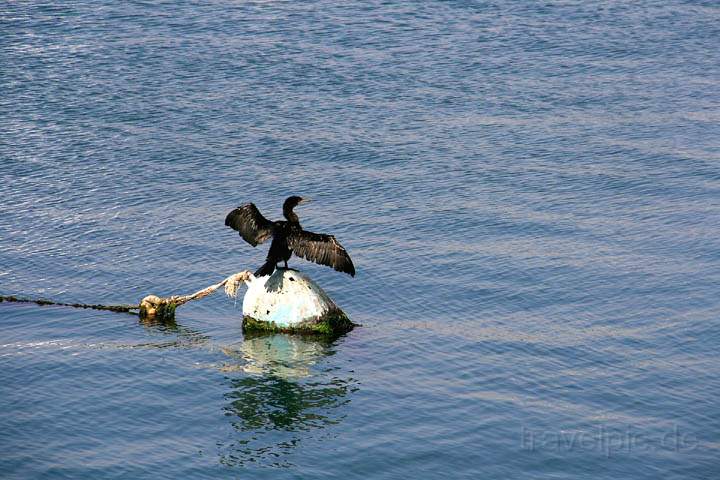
x=286, y=397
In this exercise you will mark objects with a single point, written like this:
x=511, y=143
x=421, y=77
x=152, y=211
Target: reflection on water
x=284, y=356
x=286, y=397
x=185, y=337
x=281, y=394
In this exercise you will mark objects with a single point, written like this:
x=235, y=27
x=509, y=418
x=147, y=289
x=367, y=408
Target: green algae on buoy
x=289, y=301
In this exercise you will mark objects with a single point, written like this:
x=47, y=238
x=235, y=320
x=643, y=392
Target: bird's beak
x=306, y=200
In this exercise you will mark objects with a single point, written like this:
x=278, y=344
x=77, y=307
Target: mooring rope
x=151, y=305
x=42, y=302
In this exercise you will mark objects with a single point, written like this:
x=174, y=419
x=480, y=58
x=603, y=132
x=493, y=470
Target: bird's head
x=292, y=202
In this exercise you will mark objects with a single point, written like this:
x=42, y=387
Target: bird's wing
x=322, y=249
x=253, y=227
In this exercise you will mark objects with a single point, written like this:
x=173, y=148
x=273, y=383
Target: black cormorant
x=288, y=238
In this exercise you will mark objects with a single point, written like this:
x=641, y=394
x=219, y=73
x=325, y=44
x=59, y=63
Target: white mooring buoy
x=289, y=301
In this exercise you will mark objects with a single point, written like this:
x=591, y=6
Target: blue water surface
x=530, y=192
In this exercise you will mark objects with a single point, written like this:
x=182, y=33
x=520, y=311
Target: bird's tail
x=267, y=269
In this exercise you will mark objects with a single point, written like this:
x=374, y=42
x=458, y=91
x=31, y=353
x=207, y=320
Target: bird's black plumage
x=288, y=238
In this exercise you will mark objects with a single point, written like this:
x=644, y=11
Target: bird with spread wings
x=288, y=237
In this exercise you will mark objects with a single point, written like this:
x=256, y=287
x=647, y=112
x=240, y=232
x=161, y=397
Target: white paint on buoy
x=287, y=298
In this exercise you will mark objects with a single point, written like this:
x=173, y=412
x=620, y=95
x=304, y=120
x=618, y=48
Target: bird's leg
x=286, y=265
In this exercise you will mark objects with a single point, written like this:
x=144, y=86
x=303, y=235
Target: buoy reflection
x=285, y=396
